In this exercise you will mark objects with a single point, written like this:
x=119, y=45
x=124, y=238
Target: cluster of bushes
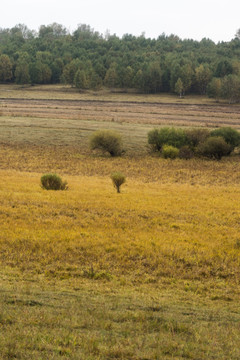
x=169, y=141
x=175, y=142
x=106, y=141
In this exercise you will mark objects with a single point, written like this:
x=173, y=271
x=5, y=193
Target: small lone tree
x=53, y=182
x=179, y=88
x=107, y=141
x=118, y=179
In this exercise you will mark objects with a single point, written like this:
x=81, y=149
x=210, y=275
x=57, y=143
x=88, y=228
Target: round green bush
x=230, y=135
x=118, y=179
x=53, y=182
x=214, y=147
x=170, y=152
x=107, y=141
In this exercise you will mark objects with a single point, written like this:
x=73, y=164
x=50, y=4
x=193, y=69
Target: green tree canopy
x=150, y=65
x=22, y=69
x=5, y=68
x=179, y=87
x=203, y=76
x=80, y=80
x=231, y=88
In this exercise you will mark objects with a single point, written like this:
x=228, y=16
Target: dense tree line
x=87, y=59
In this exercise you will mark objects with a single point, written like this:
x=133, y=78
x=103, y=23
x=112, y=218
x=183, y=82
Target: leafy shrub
x=186, y=152
x=107, y=141
x=196, y=136
x=166, y=135
x=53, y=182
x=170, y=152
x=230, y=135
x=214, y=147
x=154, y=140
x=118, y=179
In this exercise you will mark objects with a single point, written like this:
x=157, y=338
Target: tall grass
x=88, y=274
x=172, y=230
x=151, y=274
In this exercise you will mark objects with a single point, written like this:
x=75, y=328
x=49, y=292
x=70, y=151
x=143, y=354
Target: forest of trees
x=87, y=59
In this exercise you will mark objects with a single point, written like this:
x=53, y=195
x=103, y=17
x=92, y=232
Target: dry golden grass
x=69, y=160
x=151, y=273
x=153, y=229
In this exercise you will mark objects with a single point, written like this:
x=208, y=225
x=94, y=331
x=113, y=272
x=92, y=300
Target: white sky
x=217, y=20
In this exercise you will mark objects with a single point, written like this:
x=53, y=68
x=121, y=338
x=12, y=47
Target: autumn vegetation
x=118, y=179
x=53, y=182
x=173, y=142
x=86, y=59
x=107, y=141
x=88, y=273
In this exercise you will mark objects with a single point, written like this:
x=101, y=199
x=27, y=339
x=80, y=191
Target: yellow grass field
x=151, y=273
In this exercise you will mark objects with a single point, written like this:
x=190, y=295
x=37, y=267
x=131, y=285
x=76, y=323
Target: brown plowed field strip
x=41, y=121
x=129, y=112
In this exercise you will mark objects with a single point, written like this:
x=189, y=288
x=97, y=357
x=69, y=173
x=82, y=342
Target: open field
x=60, y=92
x=152, y=273
x=149, y=274
x=42, y=117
